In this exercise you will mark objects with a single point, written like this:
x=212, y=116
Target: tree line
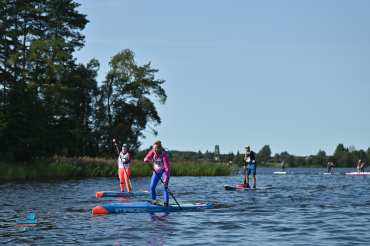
x=50, y=104
x=342, y=157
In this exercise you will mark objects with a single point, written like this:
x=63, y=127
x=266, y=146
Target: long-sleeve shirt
x=128, y=159
x=165, y=160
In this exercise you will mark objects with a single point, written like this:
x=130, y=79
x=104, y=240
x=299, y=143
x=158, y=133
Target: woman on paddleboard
x=161, y=165
x=359, y=166
x=124, y=159
x=250, y=160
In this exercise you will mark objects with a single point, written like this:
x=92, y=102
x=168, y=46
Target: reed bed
x=101, y=167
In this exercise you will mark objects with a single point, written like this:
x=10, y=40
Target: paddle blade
x=129, y=184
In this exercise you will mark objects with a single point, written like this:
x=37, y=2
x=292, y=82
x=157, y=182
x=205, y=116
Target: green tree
x=339, y=152
x=37, y=39
x=238, y=159
x=264, y=154
x=309, y=161
x=346, y=160
x=199, y=154
x=299, y=162
x=124, y=106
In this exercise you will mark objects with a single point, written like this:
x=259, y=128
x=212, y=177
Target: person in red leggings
x=124, y=159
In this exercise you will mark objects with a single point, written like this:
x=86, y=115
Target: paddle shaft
x=164, y=185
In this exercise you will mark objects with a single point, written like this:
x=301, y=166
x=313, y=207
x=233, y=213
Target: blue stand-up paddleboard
x=121, y=194
x=145, y=207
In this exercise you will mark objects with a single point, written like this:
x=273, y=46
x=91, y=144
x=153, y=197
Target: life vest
x=158, y=163
x=121, y=159
x=251, y=158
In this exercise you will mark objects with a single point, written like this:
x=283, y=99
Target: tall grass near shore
x=100, y=167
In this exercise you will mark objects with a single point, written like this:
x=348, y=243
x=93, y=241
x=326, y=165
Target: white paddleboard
x=331, y=173
x=356, y=173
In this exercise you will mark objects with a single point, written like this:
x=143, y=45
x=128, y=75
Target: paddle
x=164, y=185
x=245, y=177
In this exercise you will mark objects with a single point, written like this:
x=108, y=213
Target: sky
x=291, y=74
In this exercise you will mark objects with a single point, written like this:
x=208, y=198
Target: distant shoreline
x=101, y=167
x=278, y=165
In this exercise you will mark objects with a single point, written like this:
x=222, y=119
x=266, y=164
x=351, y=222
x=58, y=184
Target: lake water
x=303, y=208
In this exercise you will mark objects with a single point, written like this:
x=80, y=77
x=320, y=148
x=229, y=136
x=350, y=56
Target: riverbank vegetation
x=102, y=167
x=342, y=157
x=50, y=104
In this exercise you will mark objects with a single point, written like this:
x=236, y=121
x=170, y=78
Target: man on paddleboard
x=124, y=159
x=250, y=166
x=330, y=166
x=162, y=168
x=282, y=165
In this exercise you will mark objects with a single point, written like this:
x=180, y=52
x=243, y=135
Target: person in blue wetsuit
x=250, y=166
x=282, y=165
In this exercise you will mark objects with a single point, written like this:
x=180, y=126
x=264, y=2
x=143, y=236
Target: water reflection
x=155, y=218
x=157, y=237
x=122, y=199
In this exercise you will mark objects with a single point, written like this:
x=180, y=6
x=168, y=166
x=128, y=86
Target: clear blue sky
x=291, y=74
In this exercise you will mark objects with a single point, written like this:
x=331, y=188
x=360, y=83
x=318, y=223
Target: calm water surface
x=302, y=208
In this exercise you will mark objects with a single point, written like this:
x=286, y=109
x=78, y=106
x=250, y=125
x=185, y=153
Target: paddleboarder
x=282, y=165
x=363, y=167
x=124, y=159
x=359, y=166
x=330, y=166
x=162, y=168
x=250, y=166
